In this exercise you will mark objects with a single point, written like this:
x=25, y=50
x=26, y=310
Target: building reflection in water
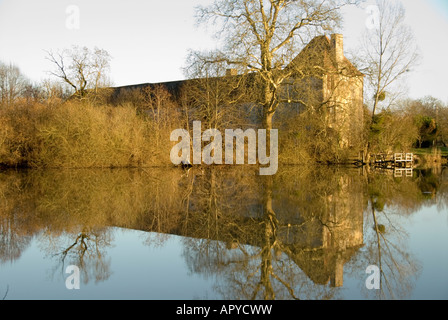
x=283, y=236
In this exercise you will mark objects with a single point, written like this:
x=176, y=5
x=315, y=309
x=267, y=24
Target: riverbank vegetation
x=76, y=119
x=80, y=134
x=133, y=131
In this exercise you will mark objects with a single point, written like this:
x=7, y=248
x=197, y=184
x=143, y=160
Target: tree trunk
x=269, y=237
x=267, y=120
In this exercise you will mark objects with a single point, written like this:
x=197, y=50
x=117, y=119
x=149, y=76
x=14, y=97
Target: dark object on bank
x=186, y=164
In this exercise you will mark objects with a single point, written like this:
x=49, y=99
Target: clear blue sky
x=149, y=39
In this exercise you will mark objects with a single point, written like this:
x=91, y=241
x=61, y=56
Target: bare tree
x=215, y=93
x=262, y=36
x=52, y=90
x=158, y=103
x=81, y=68
x=388, y=53
x=13, y=84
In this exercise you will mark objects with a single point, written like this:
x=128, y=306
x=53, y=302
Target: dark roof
x=173, y=87
x=317, y=53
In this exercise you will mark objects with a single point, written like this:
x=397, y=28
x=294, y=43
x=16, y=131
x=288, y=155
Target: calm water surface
x=214, y=233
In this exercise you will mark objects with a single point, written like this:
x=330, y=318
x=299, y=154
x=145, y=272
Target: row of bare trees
x=261, y=39
x=13, y=84
x=76, y=71
x=264, y=37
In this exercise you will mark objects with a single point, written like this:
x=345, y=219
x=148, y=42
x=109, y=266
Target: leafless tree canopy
x=81, y=68
x=388, y=52
x=13, y=84
x=264, y=36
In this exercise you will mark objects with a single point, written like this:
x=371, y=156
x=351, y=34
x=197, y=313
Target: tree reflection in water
x=86, y=250
x=289, y=236
x=280, y=233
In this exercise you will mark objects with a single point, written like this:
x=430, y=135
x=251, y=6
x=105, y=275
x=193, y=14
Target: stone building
x=322, y=81
x=325, y=82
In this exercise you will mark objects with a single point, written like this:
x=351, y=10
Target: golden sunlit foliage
x=78, y=134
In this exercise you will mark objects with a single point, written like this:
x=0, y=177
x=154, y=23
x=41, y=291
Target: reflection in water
x=390, y=201
x=86, y=249
x=289, y=236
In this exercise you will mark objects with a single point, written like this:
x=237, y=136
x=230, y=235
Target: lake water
x=224, y=233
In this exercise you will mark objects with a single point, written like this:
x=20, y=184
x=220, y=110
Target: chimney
x=231, y=72
x=337, y=46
